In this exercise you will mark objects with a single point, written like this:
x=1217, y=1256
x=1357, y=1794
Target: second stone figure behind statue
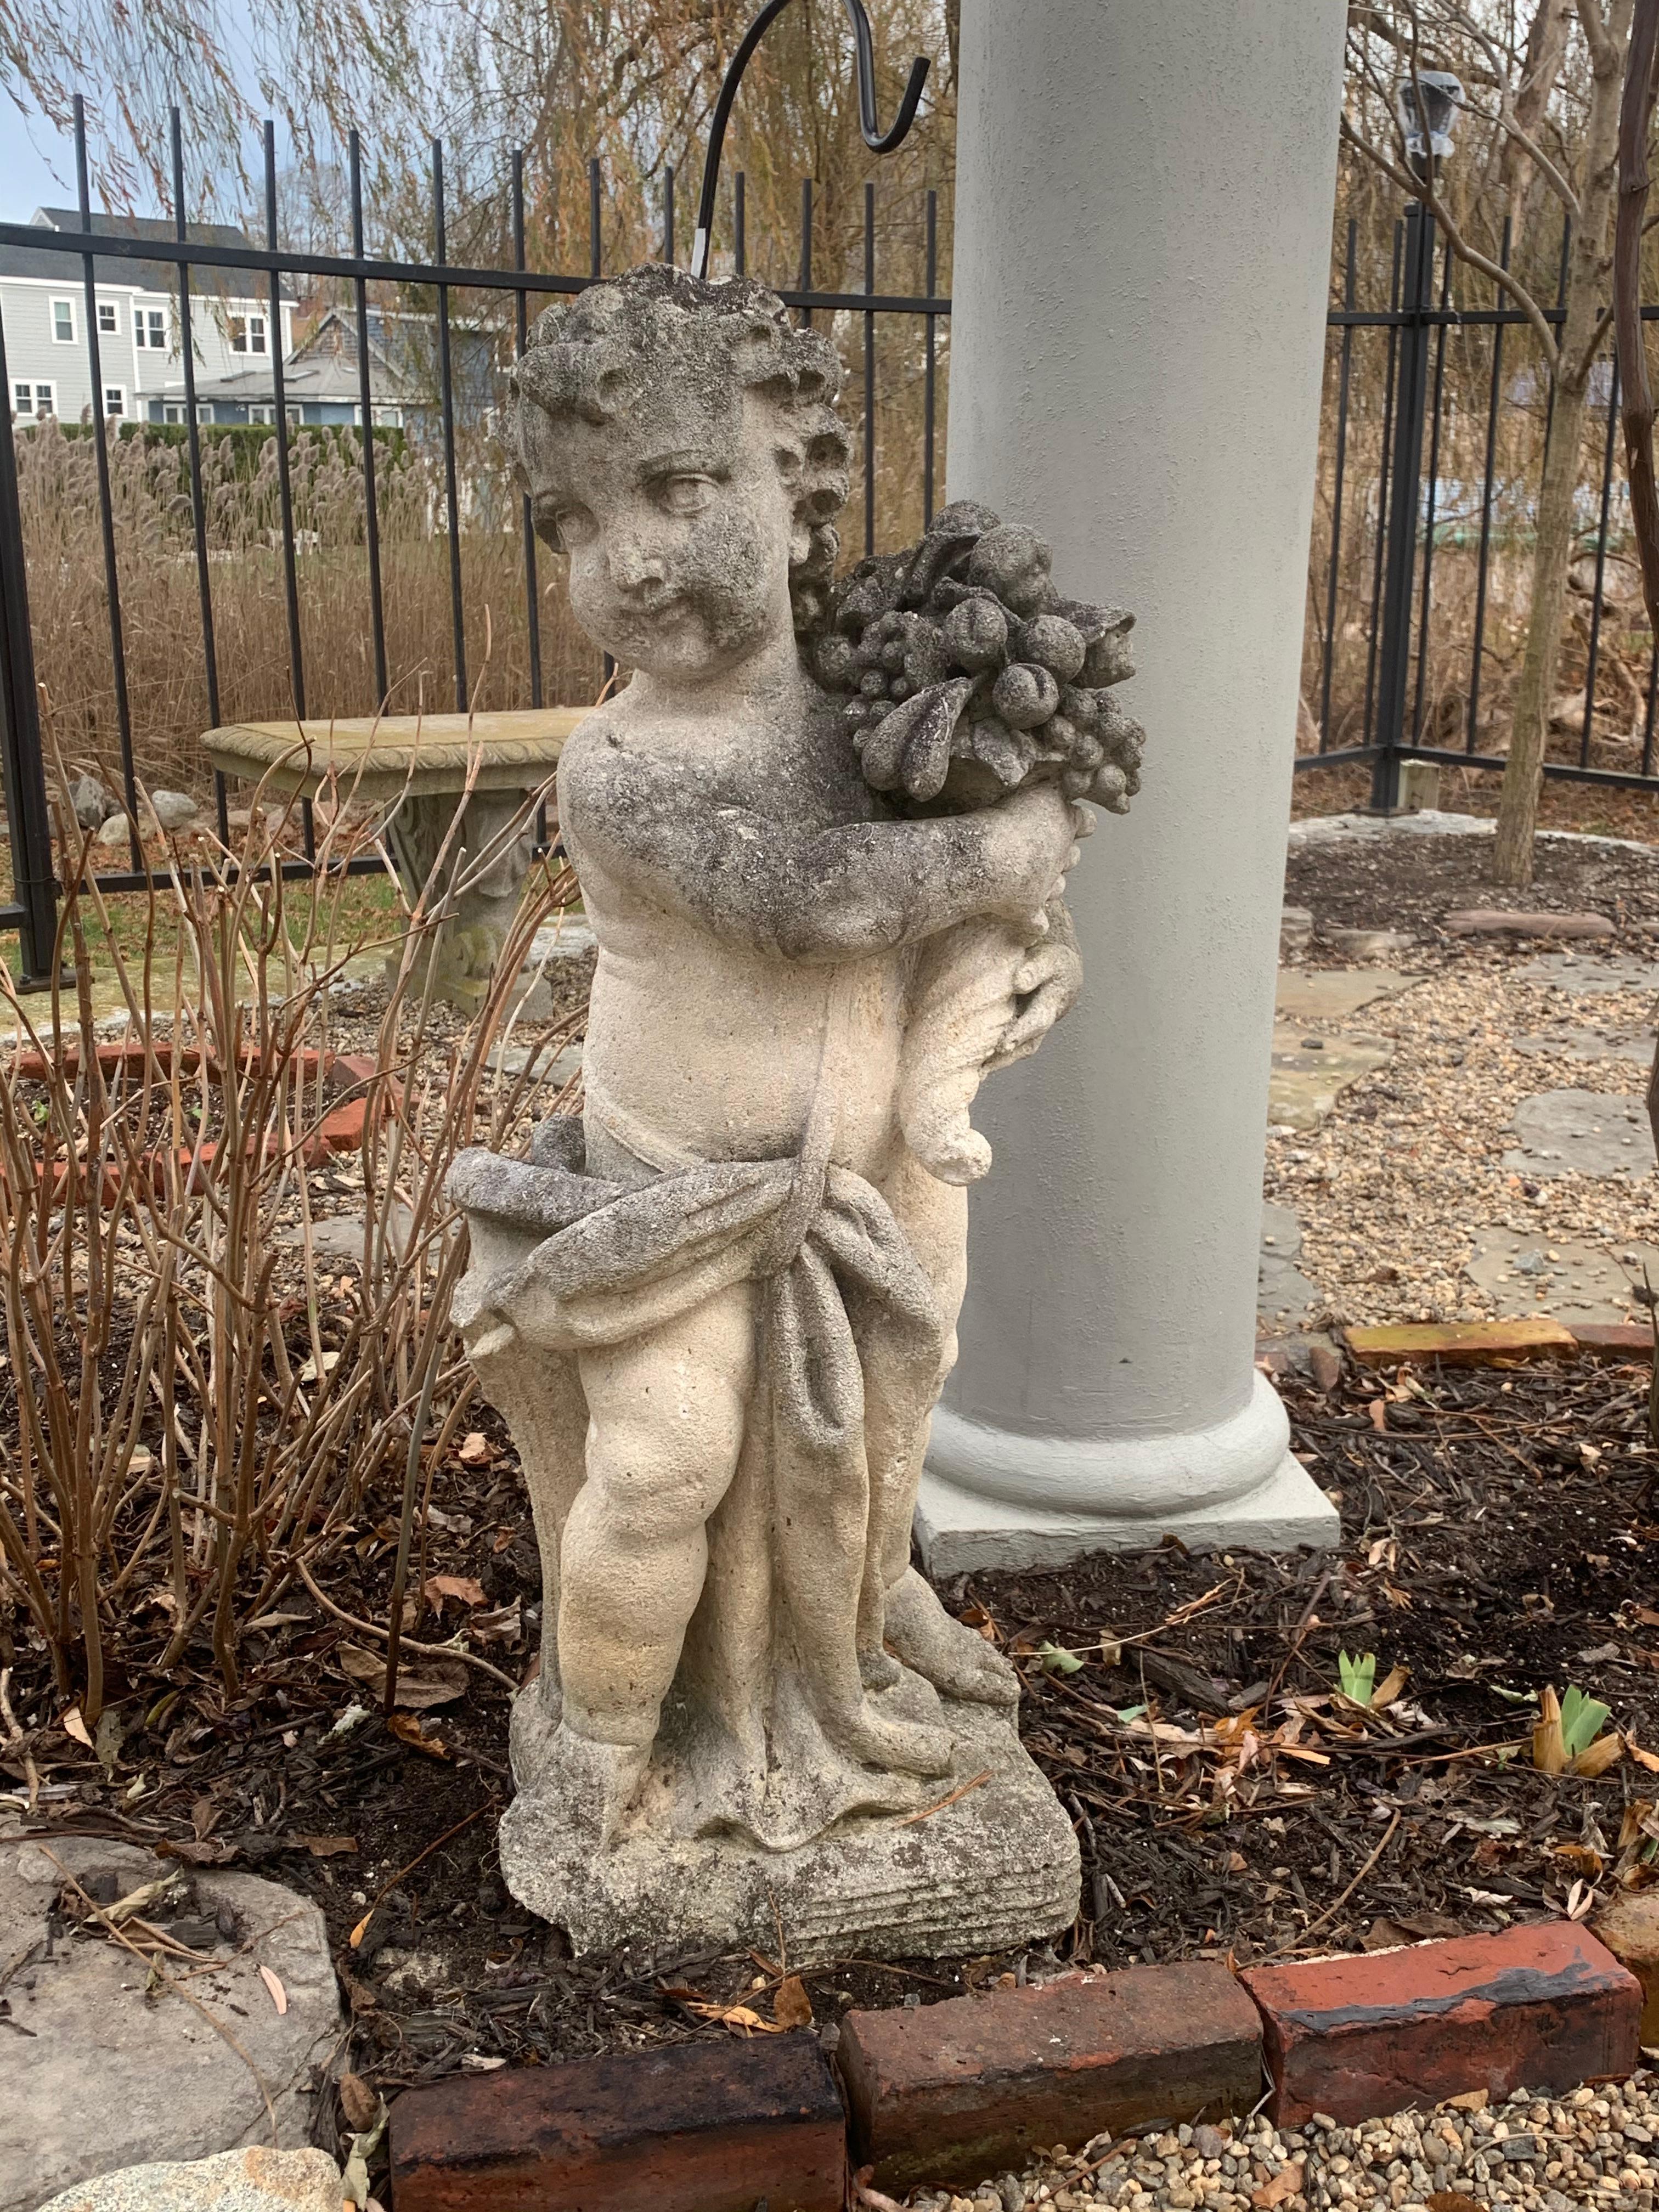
x=718, y=1310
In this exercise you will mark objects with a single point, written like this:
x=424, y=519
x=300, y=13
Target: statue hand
x=1048, y=980
x=1037, y=834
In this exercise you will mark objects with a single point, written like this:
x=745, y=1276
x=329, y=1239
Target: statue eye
x=686, y=494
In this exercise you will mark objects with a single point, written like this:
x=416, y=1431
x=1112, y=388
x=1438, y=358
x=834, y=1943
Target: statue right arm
x=809, y=894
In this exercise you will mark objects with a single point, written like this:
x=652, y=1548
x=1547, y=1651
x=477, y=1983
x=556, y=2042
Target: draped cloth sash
x=848, y=1354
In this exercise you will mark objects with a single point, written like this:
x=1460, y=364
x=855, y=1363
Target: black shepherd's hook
x=879, y=141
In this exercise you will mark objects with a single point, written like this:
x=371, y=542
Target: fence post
x=1405, y=508
x=35, y=889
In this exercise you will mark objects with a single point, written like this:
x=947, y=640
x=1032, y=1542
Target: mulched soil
x=1497, y=1538
x=1413, y=881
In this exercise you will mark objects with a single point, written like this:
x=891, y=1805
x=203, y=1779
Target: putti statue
x=822, y=835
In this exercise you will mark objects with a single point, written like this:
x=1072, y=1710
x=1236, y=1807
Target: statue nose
x=633, y=565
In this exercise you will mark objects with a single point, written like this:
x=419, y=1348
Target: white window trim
x=37, y=385
x=118, y=414
x=112, y=309
x=58, y=337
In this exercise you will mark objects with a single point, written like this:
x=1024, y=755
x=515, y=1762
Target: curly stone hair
x=591, y=356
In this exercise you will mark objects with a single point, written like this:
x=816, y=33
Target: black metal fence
x=1437, y=476
x=32, y=910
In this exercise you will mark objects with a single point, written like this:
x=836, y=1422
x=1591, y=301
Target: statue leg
x=666, y=1414
x=933, y=1215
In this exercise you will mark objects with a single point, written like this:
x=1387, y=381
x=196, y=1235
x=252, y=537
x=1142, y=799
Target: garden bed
x=1497, y=1530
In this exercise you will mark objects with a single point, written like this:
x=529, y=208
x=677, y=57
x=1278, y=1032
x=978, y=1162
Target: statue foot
x=953, y=1658
x=596, y=1781
x=906, y=1747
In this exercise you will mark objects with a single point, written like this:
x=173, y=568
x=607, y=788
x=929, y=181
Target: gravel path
x=1393, y=1188
x=1594, y=2146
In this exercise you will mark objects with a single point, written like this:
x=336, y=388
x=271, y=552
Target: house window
x=172, y=411
x=33, y=399
x=150, y=328
x=389, y=418
x=109, y=320
x=115, y=399
x=257, y=413
x=247, y=334
x=63, y=321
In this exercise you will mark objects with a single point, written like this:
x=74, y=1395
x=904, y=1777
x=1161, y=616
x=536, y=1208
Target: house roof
x=150, y=275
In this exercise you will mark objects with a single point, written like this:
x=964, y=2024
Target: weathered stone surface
x=1628, y=1923
x=1364, y=945
x=1285, y=1295
x=1563, y=1042
x=101, y=2076
x=1583, y=977
x=1310, y=1073
x=702, y=2128
x=1588, y=1132
x=174, y=810
x=1505, y=921
x=1545, y=2006
x=1569, y=1280
x=1295, y=927
x=1316, y=995
x=823, y=834
x=955, y=2091
x=89, y=801
x=1463, y=1343
x=251, y=2180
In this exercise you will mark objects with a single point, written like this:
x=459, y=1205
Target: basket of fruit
x=966, y=675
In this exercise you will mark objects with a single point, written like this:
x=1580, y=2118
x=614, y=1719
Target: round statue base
x=993, y=1870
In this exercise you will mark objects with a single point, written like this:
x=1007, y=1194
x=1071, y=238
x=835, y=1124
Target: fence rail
x=264, y=267
x=1420, y=671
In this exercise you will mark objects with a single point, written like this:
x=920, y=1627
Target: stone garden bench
x=426, y=759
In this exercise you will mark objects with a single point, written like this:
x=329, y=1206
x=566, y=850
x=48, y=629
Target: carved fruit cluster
x=967, y=675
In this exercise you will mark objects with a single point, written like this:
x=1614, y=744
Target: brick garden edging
x=964, y=2089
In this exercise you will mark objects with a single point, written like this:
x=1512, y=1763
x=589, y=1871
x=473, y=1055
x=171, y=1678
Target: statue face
x=678, y=517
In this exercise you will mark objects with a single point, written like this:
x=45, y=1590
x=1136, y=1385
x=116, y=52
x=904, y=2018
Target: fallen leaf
x=1452, y=2200
x=325, y=1847
x=1384, y=1934
x=1379, y=1412
x=1646, y=1758
x=503, y=1626
x=464, y=1587
x=741, y=2019
x=791, y=2006
x=1582, y=1859
x=424, y=1682
x=72, y=1724
x=475, y=2062
x=1427, y=1926
x=360, y=2104
x=278, y=1994
x=1607, y=1750
x=1549, y=1747
x=407, y=1729
x=1287, y=2182
x=476, y=1449
x=1389, y=1688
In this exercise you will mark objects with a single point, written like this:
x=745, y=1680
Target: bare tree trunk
x=1520, y=179
x=1587, y=277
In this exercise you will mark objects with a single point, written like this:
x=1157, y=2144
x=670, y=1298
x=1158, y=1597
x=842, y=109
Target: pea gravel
x=1594, y=2146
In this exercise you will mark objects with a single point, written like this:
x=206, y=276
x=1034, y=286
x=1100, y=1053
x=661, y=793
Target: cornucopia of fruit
x=966, y=674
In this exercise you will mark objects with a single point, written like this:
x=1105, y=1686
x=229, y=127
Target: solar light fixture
x=1426, y=105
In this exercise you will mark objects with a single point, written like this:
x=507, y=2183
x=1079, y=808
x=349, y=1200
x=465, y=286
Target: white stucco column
x=1144, y=203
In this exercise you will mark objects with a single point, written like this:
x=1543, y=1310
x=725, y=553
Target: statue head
x=680, y=444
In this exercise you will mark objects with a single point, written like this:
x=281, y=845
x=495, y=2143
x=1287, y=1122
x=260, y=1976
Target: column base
x=962, y=1532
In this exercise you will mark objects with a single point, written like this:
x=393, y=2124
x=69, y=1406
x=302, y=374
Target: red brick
x=1628, y=1923
x=1495, y=921
x=1542, y=2007
x=1613, y=1339
x=1463, y=1343
x=705, y=2127
x=955, y=2091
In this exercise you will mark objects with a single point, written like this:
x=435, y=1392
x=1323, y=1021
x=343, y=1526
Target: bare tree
x=1513, y=91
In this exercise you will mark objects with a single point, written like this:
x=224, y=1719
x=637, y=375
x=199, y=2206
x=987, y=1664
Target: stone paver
x=1310, y=1073
x=1585, y=975
x=234, y=2181
x=1585, y=1132
x=1316, y=995
x=99, y=2076
x=1285, y=1295
x=1562, y=1041
x=1564, y=1276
